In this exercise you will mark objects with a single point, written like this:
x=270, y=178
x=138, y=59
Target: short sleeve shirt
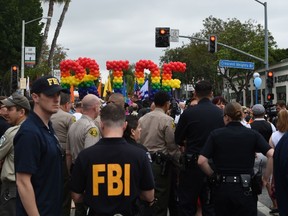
x=7, y=154
x=233, y=148
x=157, y=132
x=61, y=122
x=37, y=152
x=111, y=173
x=82, y=134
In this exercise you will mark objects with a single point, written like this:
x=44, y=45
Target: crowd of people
x=108, y=157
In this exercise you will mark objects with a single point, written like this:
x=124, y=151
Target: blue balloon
x=257, y=82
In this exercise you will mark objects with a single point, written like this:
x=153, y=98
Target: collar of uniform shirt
x=259, y=119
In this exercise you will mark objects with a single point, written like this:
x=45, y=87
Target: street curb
x=263, y=209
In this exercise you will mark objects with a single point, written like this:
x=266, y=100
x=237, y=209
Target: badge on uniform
x=93, y=132
x=73, y=119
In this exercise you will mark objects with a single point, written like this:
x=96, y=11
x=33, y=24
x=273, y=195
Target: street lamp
x=266, y=44
x=23, y=41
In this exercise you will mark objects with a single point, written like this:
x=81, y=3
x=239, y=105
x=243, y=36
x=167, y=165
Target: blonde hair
x=234, y=111
x=282, y=121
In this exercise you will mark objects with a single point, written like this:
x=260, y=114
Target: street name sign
x=174, y=35
x=236, y=64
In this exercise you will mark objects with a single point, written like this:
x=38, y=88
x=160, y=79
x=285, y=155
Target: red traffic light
x=162, y=37
x=270, y=96
x=270, y=74
x=212, y=43
x=212, y=38
x=14, y=68
x=163, y=31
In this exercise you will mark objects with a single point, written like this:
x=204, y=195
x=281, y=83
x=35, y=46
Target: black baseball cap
x=48, y=85
x=16, y=100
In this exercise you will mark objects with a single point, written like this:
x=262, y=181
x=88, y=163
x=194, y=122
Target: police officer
x=3, y=121
x=61, y=121
x=192, y=130
x=18, y=108
x=111, y=175
x=232, y=149
x=157, y=135
x=84, y=133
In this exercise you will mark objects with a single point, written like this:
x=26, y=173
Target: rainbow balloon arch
x=84, y=71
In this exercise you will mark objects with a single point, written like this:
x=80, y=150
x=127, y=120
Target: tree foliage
x=247, y=37
x=12, y=12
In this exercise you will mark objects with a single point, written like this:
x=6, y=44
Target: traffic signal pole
x=225, y=45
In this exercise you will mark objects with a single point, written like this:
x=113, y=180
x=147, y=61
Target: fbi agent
x=232, y=149
x=111, y=175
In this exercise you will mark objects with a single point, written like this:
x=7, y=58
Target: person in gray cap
x=18, y=108
x=38, y=154
x=260, y=124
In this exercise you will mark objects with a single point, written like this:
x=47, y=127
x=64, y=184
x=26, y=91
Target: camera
x=174, y=107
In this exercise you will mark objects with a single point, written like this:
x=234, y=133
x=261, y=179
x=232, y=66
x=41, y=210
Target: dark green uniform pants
x=162, y=189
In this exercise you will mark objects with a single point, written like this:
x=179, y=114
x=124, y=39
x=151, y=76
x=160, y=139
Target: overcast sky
x=125, y=29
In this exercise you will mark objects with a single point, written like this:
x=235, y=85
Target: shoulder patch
x=93, y=132
x=173, y=124
x=73, y=119
x=2, y=140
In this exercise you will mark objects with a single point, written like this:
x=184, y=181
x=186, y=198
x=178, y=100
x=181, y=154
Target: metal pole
x=227, y=46
x=23, y=45
x=23, y=49
x=267, y=90
x=266, y=62
x=256, y=95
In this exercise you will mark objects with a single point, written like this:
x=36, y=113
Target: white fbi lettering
x=114, y=172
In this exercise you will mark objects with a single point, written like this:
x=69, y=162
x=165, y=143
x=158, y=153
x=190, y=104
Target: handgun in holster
x=190, y=160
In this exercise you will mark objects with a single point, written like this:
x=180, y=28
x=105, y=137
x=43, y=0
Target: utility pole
x=267, y=90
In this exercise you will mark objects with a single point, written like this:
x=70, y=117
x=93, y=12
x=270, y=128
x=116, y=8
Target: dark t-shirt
x=112, y=173
x=196, y=123
x=37, y=152
x=263, y=127
x=233, y=148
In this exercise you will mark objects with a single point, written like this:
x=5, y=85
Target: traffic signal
x=162, y=37
x=270, y=79
x=212, y=44
x=270, y=96
x=14, y=78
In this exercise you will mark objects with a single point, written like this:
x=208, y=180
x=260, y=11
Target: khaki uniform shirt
x=7, y=154
x=61, y=122
x=157, y=133
x=82, y=134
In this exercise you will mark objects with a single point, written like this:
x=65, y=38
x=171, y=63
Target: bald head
x=90, y=101
x=117, y=98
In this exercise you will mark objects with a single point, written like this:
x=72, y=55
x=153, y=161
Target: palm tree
x=57, y=31
x=47, y=27
x=46, y=31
